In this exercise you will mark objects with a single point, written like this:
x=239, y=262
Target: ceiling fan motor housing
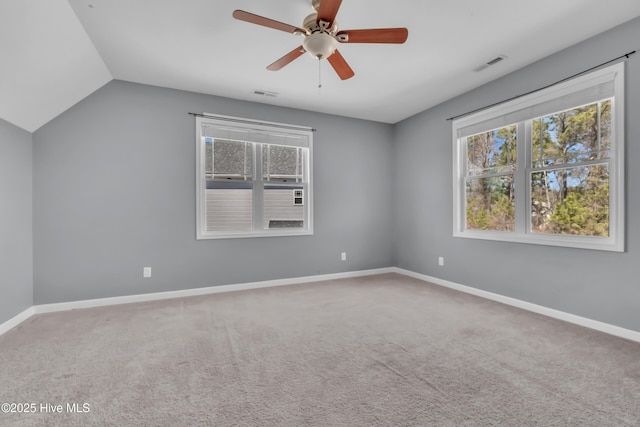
x=320, y=41
x=321, y=36
x=320, y=45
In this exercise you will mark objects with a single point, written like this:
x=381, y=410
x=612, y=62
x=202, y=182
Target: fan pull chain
x=319, y=75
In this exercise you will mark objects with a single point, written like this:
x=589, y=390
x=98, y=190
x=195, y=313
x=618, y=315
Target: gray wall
x=114, y=185
x=16, y=229
x=599, y=285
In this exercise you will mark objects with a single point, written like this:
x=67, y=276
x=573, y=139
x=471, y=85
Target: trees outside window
x=570, y=189
x=545, y=169
x=490, y=185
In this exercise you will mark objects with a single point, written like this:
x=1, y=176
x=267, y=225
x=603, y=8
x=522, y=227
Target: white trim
x=128, y=299
x=260, y=123
x=258, y=134
x=16, y=320
x=598, y=85
x=545, y=311
x=548, y=101
x=102, y=302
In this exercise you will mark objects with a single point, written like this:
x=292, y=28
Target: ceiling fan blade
x=378, y=35
x=328, y=10
x=288, y=58
x=340, y=65
x=266, y=22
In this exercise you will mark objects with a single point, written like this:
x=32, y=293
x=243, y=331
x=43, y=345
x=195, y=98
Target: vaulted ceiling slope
x=54, y=53
x=48, y=61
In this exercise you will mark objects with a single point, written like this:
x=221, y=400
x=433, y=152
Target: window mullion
x=599, y=130
x=522, y=185
x=258, y=188
x=557, y=201
x=239, y=202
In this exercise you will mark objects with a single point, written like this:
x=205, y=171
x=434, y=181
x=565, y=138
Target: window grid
x=244, y=186
x=580, y=163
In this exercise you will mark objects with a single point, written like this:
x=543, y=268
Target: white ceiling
x=56, y=52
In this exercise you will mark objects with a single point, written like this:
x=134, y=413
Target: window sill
x=245, y=235
x=577, y=242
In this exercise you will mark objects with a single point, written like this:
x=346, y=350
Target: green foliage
x=567, y=198
x=477, y=215
x=578, y=202
x=507, y=151
x=492, y=208
x=580, y=214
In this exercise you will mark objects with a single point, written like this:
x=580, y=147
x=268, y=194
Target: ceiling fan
x=321, y=36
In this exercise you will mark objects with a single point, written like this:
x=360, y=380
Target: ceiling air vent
x=265, y=93
x=490, y=63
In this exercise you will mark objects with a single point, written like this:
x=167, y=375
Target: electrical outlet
x=343, y=256
x=146, y=272
x=440, y=261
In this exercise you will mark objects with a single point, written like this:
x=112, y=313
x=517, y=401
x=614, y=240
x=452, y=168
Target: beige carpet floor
x=373, y=351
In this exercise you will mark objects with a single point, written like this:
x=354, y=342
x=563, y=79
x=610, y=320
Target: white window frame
x=600, y=84
x=257, y=132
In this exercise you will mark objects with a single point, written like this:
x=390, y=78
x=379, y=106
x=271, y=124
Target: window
x=546, y=168
x=253, y=179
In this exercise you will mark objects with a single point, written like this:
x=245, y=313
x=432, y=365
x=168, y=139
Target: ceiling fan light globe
x=320, y=45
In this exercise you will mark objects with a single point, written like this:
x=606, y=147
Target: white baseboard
x=546, y=311
x=102, y=302
x=16, y=320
